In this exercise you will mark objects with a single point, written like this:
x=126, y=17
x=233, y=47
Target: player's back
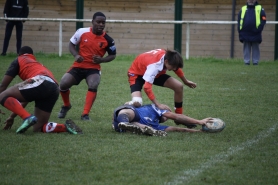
x=142, y=61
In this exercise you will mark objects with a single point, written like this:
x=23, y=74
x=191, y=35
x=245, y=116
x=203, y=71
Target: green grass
x=245, y=152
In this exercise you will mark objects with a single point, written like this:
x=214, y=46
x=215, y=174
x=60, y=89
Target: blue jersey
x=147, y=115
x=150, y=115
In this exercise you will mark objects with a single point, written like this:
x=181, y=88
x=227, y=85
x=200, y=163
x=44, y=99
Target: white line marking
x=189, y=174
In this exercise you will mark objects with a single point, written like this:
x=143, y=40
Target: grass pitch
x=245, y=152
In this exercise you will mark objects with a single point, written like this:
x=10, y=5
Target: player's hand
x=164, y=107
x=191, y=84
x=78, y=58
x=206, y=120
x=8, y=123
x=97, y=59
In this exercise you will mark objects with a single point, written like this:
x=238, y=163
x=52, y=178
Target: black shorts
x=139, y=82
x=44, y=94
x=79, y=73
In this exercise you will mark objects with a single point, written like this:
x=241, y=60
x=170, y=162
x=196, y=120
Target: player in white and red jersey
x=40, y=86
x=150, y=68
x=93, y=43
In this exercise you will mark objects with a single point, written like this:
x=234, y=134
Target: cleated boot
x=153, y=132
x=85, y=117
x=72, y=127
x=63, y=111
x=131, y=127
x=27, y=123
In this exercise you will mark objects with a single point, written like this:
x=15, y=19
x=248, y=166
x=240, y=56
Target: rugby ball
x=216, y=125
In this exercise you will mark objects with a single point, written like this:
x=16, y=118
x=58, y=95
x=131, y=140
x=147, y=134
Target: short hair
x=174, y=58
x=25, y=49
x=98, y=14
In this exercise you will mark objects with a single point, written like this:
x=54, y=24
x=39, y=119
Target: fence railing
x=131, y=22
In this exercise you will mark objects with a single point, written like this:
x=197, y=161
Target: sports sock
x=122, y=118
x=15, y=106
x=54, y=127
x=89, y=101
x=65, y=97
x=178, y=108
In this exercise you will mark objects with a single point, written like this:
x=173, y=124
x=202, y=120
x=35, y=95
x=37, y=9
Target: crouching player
x=147, y=118
x=40, y=86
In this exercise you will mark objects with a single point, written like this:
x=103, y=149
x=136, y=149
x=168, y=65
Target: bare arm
x=5, y=83
x=179, y=129
x=98, y=59
x=73, y=51
x=188, y=82
x=183, y=119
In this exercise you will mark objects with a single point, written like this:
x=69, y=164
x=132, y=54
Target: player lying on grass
x=147, y=118
x=40, y=86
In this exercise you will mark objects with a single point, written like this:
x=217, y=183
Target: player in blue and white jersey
x=147, y=118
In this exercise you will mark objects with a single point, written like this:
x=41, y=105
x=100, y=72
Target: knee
x=93, y=85
x=178, y=87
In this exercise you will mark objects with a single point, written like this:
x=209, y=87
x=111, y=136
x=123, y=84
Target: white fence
x=132, y=22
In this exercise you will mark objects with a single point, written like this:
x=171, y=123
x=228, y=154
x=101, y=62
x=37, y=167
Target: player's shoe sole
x=153, y=132
x=72, y=127
x=130, y=127
x=27, y=123
x=63, y=111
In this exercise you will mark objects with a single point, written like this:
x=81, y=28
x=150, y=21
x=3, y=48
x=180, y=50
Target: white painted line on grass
x=189, y=174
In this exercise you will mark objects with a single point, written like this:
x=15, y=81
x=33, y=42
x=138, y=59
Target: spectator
x=93, y=44
x=251, y=21
x=18, y=9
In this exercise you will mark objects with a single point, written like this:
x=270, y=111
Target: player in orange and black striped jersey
x=93, y=43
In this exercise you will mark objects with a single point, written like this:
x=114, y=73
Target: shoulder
x=108, y=38
x=83, y=30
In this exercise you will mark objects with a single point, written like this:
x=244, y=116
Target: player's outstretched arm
x=179, y=129
x=183, y=119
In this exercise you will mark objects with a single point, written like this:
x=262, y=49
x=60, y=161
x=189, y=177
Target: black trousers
x=9, y=29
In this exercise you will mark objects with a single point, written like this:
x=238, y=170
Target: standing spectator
x=39, y=86
x=93, y=44
x=18, y=9
x=251, y=21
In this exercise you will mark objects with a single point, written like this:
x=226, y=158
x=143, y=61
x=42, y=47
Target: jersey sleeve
x=75, y=39
x=13, y=69
x=148, y=90
x=179, y=72
x=111, y=47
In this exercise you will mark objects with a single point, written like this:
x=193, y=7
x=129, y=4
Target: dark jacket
x=16, y=8
x=249, y=31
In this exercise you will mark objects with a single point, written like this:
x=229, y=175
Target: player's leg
x=43, y=124
x=172, y=83
x=11, y=98
x=136, y=83
x=67, y=81
x=92, y=80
